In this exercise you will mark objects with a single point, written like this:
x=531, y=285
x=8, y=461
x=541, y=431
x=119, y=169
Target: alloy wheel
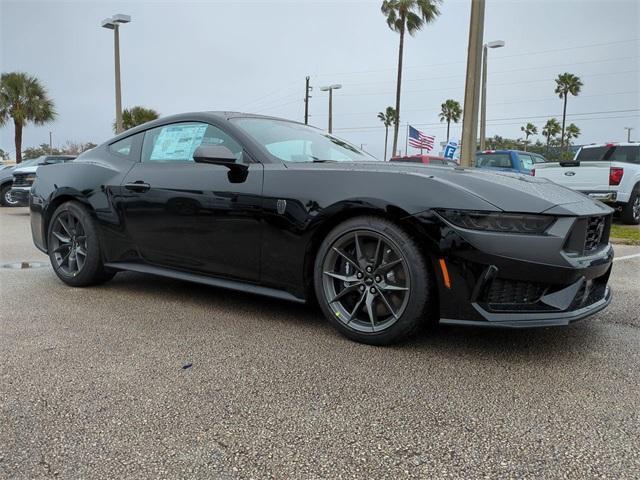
x=636, y=208
x=69, y=243
x=8, y=198
x=366, y=281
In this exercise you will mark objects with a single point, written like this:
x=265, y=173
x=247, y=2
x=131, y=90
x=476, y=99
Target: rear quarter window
x=493, y=160
x=614, y=153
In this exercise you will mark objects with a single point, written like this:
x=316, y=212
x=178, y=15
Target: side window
x=125, y=147
x=178, y=142
x=527, y=161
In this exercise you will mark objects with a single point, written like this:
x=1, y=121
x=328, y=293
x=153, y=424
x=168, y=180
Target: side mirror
x=215, y=154
x=221, y=155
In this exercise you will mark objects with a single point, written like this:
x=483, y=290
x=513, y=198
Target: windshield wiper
x=317, y=160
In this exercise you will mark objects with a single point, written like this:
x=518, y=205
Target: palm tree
x=406, y=16
x=566, y=83
x=388, y=118
x=134, y=116
x=450, y=111
x=550, y=129
x=572, y=132
x=24, y=99
x=528, y=129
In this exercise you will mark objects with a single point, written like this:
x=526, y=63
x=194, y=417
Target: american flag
x=417, y=139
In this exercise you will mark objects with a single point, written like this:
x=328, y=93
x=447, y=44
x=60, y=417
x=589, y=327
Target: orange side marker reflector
x=445, y=273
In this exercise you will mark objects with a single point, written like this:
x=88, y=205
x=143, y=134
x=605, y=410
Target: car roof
x=194, y=116
x=612, y=144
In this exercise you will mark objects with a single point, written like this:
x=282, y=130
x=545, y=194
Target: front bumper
x=522, y=281
x=534, y=320
x=21, y=194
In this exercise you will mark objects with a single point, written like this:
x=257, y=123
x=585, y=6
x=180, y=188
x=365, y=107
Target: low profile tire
x=5, y=197
x=631, y=211
x=372, y=281
x=74, y=247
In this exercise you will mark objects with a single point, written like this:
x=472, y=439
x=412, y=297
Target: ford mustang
x=278, y=208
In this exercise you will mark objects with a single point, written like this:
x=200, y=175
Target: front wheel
x=74, y=247
x=6, y=199
x=631, y=211
x=372, y=281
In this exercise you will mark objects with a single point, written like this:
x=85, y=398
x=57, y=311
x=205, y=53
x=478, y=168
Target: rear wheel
x=631, y=211
x=74, y=247
x=6, y=200
x=372, y=281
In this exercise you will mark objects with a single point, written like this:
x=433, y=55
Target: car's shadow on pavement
x=506, y=344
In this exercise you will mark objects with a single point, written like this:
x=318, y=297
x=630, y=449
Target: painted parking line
x=627, y=257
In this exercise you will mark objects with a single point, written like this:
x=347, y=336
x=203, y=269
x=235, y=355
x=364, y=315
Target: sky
x=253, y=56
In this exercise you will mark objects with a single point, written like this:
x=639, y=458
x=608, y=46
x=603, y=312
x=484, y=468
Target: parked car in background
x=24, y=176
x=509, y=160
x=6, y=179
x=426, y=159
x=608, y=172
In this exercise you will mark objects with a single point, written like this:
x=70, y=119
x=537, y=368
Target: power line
x=519, y=82
x=547, y=99
x=497, y=57
x=522, y=118
x=496, y=72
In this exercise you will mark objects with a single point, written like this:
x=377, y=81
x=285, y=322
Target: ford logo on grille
x=569, y=174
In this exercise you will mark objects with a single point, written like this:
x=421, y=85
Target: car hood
x=32, y=169
x=506, y=191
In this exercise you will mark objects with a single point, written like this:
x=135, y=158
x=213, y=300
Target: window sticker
x=178, y=142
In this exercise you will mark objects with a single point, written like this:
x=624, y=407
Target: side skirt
x=206, y=280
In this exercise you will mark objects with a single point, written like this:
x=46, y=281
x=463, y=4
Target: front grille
x=20, y=180
x=596, y=227
x=512, y=292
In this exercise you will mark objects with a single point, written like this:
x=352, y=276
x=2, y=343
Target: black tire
x=72, y=230
x=405, y=300
x=631, y=211
x=5, y=200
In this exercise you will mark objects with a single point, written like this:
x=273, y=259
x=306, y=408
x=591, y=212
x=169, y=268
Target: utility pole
x=50, y=143
x=472, y=85
x=307, y=89
x=628, y=129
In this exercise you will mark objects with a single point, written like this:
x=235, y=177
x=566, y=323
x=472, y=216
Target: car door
x=191, y=216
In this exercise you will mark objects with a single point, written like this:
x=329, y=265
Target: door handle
x=138, y=186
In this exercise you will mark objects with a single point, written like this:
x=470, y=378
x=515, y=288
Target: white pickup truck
x=607, y=172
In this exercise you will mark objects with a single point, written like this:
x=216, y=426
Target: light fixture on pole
x=330, y=89
x=483, y=106
x=113, y=23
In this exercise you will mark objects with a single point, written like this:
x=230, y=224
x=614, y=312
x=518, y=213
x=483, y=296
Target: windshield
x=293, y=142
x=612, y=153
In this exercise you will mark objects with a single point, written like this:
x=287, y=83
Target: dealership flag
x=418, y=139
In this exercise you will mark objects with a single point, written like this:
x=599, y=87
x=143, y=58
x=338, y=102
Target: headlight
x=30, y=178
x=499, y=222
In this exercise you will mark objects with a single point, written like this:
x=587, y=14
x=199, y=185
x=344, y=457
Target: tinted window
x=624, y=153
x=178, y=142
x=526, y=160
x=124, y=147
x=494, y=160
x=539, y=159
x=293, y=142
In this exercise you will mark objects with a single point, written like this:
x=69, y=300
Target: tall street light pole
x=330, y=89
x=483, y=106
x=472, y=86
x=113, y=23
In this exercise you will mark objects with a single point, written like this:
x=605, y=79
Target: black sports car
x=278, y=208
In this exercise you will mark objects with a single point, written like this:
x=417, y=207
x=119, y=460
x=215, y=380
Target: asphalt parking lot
x=92, y=385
